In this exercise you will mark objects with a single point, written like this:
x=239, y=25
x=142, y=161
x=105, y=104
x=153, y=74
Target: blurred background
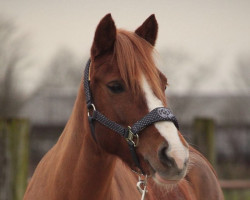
x=204, y=50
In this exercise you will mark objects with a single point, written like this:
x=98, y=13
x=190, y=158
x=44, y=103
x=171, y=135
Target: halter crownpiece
x=130, y=133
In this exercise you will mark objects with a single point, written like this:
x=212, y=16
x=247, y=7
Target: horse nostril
x=164, y=158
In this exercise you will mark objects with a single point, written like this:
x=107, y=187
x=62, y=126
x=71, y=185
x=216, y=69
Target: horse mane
x=134, y=57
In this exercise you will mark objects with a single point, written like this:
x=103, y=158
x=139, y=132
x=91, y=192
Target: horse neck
x=93, y=168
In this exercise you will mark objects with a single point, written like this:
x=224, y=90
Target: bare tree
x=64, y=71
x=236, y=108
x=173, y=65
x=243, y=73
x=12, y=60
x=180, y=67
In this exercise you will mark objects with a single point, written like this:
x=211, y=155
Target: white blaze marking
x=168, y=130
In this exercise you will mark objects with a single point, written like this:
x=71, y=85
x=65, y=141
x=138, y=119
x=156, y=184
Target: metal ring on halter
x=91, y=106
x=136, y=172
x=131, y=137
x=140, y=174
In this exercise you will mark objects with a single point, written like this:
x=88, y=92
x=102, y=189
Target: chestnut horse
x=125, y=85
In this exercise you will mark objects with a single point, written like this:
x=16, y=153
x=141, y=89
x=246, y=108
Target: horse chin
x=160, y=180
x=166, y=180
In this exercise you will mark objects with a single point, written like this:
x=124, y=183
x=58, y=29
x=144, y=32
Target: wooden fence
x=204, y=140
x=14, y=150
x=235, y=184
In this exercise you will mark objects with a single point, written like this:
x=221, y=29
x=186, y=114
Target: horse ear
x=105, y=36
x=148, y=30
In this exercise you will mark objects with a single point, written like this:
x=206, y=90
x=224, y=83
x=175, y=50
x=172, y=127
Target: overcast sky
x=202, y=28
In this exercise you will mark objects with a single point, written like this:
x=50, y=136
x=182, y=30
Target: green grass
x=237, y=194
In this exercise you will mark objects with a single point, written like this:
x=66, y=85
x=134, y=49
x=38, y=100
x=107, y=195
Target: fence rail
x=235, y=184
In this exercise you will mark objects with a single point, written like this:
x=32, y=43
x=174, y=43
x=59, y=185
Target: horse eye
x=115, y=87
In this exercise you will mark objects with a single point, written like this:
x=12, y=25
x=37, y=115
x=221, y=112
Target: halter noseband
x=130, y=133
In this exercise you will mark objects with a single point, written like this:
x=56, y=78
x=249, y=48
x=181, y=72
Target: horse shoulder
x=44, y=183
x=40, y=180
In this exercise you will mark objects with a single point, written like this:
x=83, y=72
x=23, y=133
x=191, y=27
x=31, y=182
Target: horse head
x=126, y=85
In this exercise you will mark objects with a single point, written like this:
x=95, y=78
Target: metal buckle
x=131, y=137
x=91, y=107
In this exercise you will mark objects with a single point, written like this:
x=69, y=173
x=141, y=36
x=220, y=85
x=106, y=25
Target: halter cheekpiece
x=130, y=133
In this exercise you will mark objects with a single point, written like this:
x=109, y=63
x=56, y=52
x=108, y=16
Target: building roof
x=223, y=109
x=54, y=107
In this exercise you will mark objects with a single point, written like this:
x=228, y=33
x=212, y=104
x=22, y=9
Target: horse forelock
x=135, y=59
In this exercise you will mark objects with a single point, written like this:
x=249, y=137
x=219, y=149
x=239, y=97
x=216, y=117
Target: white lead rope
x=142, y=186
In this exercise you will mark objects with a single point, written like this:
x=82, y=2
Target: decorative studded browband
x=130, y=133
